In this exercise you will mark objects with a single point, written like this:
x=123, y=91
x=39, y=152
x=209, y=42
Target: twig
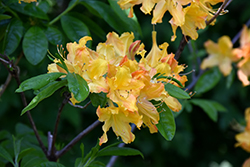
x=14, y=71
x=51, y=154
x=77, y=138
x=113, y=159
x=185, y=39
x=221, y=9
x=78, y=106
x=237, y=36
x=5, y=85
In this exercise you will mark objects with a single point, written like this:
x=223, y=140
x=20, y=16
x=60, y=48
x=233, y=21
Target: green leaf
x=4, y=17
x=166, y=125
x=119, y=151
x=82, y=149
x=14, y=36
x=98, y=99
x=74, y=28
x=25, y=152
x=6, y=155
x=176, y=91
x=39, y=81
x=132, y=24
x=218, y=106
x=29, y=9
x=44, y=94
x=54, y=36
x=97, y=164
x=78, y=86
x=50, y=164
x=92, y=26
x=35, y=45
x=207, y=106
x=17, y=145
x=90, y=157
x=207, y=80
x=108, y=14
x=230, y=79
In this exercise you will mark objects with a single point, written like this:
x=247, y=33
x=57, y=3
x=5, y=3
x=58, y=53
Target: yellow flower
x=220, y=55
x=175, y=9
x=85, y=62
x=244, y=52
x=150, y=91
x=243, y=138
x=118, y=118
x=124, y=89
x=27, y=1
x=195, y=18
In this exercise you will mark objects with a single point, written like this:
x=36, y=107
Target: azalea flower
x=244, y=52
x=130, y=85
x=243, y=138
x=221, y=55
x=118, y=118
x=85, y=62
x=195, y=19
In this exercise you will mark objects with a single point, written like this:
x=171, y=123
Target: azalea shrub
x=155, y=81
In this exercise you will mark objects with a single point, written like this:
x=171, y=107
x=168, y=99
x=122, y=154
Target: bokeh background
x=198, y=142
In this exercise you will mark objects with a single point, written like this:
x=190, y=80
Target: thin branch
x=78, y=106
x=51, y=154
x=113, y=159
x=5, y=85
x=77, y=138
x=237, y=36
x=14, y=71
x=221, y=9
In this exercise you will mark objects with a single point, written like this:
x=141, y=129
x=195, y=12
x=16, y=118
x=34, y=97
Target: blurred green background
x=198, y=142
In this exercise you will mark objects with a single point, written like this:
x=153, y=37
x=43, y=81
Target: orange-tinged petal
x=243, y=78
x=172, y=103
x=159, y=11
x=97, y=68
x=147, y=6
x=149, y=113
x=243, y=140
x=246, y=163
x=245, y=36
x=114, y=117
x=107, y=50
x=155, y=53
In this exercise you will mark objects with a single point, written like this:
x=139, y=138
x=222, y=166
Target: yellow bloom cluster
x=223, y=54
x=189, y=15
x=130, y=85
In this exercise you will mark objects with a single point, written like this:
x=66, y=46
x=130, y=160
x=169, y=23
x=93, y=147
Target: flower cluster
x=223, y=54
x=243, y=138
x=189, y=15
x=130, y=85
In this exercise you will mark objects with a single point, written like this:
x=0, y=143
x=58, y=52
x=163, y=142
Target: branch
x=14, y=71
x=237, y=36
x=78, y=106
x=76, y=139
x=51, y=149
x=5, y=85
